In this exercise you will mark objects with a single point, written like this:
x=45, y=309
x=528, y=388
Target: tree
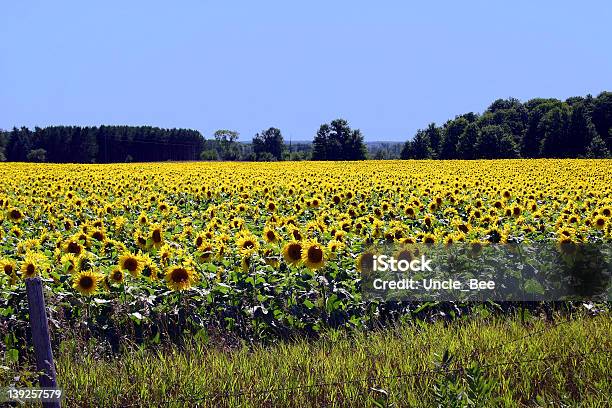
x=453, y=129
x=37, y=156
x=269, y=141
x=554, y=125
x=597, y=149
x=209, y=155
x=337, y=141
x=226, y=139
x=580, y=129
x=466, y=144
x=418, y=148
x=532, y=140
x=496, y=142
x=434, y=135
x=602, y=116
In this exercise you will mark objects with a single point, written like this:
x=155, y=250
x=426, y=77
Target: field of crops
x=152, y=251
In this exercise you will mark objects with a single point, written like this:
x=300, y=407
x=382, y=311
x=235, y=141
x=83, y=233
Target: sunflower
x=365, y=262
x=269, y=235
x=33, y=265
x=73, y=246
x=247, y=243
x=98, y=235
x=149, y=268
x=599, y=222
x=180, y=278
x=334, y=247
x=8, y=267
x=246, y=262
x=131, y=263
x=142, y=218
x=156, y=235
x=116, y=276
x=15, y=215
x=86, y=282
x=566, y=245
x=140, y=239
x=292, y=252
x=428, y=239
x=313, y=255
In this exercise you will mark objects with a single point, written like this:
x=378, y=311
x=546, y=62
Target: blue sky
x=388, y=67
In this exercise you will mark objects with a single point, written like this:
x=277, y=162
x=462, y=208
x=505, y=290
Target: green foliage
x=268, y=145
x=508, y=128
x=104, y=144
x=37, y=156
x=496, y=142
x=365, y=369
x=227, y=142
x=462, y=388
x=337, y=141
x=209, y=155
x=418, y=148
x=597, y=149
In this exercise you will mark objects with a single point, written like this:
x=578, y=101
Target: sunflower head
x=131, y=263
x=180, y=277
x=269, y=235
x=33, y=265
x=313, y=255
x=116, y=276
x=8, y=267
x=247, y=244
x=156, y=236
x=292, y=252
x=365, y=262
x=599, y=222
x=87, y=282
x=15, y=215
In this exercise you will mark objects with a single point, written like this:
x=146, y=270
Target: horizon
x=388, y=69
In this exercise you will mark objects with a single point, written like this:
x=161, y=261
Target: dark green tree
x=597, y=149
x=434, y=135
x=554, y=126
x=337, y=141
x=269, y=141
x=466, y=144
x=226, y=140
x=418, y=148
x=496, y=142
x=37, y=156
x=602, y=117
x=452, y=131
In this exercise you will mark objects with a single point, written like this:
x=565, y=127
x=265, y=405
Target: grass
x=496, y=362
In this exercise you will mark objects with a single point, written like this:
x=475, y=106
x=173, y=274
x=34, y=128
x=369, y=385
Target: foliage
x=357, y=367
x=509, y=128
x=268, y=145
x=104, y=144
x=37, y=156
x=337, y=141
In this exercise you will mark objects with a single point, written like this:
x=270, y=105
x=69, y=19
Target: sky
x=388, y=67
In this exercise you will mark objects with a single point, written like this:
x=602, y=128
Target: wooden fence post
x=40, y=337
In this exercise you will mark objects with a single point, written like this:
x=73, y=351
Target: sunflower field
x=151, y=252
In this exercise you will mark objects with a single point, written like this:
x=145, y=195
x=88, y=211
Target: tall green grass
x=493, y=362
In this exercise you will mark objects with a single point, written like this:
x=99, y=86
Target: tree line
x=508, y=128
x=576, y=127
x=104, y=144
